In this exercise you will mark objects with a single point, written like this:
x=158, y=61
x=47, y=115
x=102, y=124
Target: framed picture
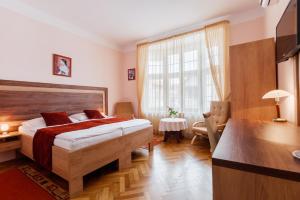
x=62, y=65
x=131, y=74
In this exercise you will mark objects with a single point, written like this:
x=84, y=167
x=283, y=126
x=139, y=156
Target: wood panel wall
x=252, y=74
x=20, y=101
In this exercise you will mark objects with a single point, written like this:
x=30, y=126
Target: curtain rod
x=181, y=34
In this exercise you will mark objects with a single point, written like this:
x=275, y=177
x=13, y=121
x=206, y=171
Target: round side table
x=172, y=126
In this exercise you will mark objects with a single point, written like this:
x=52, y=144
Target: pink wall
x=286, y=70
x=247, y=31
x=256, y=29
x=26, y=54
x=240, y=33
x=26, y=48
x=265, y=27
x=272, y=16
x=129, y=92
x=287, y=81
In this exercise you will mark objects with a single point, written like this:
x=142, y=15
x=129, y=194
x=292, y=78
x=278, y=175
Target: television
x=288, y=32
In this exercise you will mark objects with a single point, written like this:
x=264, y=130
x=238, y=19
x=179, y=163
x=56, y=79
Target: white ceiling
x=124, y=22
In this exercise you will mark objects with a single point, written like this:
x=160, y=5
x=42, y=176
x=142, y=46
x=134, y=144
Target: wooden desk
x=253, y=161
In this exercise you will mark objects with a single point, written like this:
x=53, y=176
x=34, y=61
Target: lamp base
x=279, y=120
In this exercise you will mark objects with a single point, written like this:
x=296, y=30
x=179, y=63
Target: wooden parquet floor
x=171, y=172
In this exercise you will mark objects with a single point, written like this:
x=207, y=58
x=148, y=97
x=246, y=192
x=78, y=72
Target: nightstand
x=10, y=141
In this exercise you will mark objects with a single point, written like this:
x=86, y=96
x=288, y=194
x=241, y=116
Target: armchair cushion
x=200, y=130
x=220, y=111
x=212, y=130
x=125, y=116
x=122, y=108
x=198, y=124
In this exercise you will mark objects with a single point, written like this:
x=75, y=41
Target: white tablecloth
x=172, y=124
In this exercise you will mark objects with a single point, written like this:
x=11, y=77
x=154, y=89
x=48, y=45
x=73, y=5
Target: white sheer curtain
x=217, y=43
x=177, y=74
x=142, y=60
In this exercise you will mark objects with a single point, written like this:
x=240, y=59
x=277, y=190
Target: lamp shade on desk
x=277, y=94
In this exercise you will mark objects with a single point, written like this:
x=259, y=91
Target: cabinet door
x=252, y=74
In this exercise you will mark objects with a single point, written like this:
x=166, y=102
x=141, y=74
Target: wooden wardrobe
x=252, y=74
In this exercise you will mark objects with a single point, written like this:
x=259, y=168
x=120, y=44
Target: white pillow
x=83, y=117
x=28, y=129
x=79, y=116
x=39, y=123
x=73, y=120
x=36, y=123
x=104, y=115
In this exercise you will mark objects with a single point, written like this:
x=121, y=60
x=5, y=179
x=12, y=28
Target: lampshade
x=4, y=127
x=276, y=94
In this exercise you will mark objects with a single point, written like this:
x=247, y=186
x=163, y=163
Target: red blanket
x=44, y=138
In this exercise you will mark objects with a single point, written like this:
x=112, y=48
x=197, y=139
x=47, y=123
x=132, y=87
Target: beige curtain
x=217, y=42
x=142, y=56
x=177, y=75
x=185, y=72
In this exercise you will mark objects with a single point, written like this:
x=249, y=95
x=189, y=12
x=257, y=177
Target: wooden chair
x=220, y=111
x=124, y=110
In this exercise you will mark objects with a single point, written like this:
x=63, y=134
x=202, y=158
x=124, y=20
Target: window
x=178, y=75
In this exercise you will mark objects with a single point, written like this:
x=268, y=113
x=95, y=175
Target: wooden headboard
x=20, y=101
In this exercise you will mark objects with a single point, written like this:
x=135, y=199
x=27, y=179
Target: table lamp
x=277, y=94
x=4, y=128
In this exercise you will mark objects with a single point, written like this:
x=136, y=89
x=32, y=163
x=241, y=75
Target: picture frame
x=131, y=74
x=62, y=65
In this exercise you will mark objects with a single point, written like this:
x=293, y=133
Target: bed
x=25, y=100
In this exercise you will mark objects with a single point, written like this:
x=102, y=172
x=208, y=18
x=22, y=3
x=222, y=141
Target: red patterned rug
x=25, y=183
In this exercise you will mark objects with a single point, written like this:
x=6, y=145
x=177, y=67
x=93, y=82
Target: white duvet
x=74, y=140
x=102, y=129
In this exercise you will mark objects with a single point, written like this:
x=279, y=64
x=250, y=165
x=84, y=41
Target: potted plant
x=172, y=112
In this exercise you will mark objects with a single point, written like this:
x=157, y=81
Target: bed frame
x=25, y=100
x=73, y=165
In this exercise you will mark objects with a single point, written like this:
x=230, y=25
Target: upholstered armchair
x=219, y=110
x=212, y=131
x=124, y=110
